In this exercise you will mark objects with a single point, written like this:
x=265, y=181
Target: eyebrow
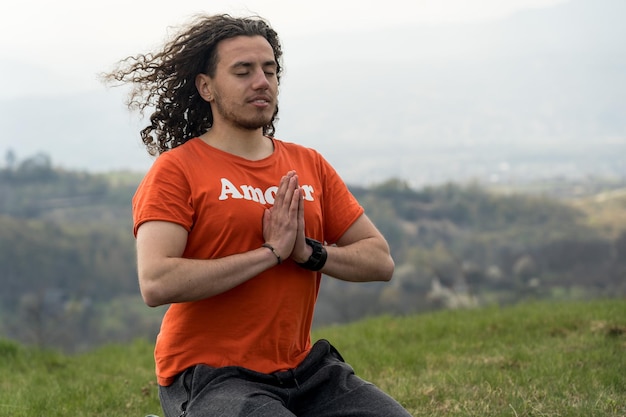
x=247, y=64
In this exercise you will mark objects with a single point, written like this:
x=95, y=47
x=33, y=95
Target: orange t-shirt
x=263, y=324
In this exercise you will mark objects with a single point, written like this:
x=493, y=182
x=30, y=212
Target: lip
x=260, y=100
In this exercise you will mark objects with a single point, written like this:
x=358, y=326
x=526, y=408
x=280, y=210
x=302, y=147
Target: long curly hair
x=165, y=80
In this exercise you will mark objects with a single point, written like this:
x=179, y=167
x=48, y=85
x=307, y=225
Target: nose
x=260, y=81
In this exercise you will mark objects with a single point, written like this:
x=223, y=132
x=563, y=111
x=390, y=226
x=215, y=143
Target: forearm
x=175, y=279
x=165, y=276
x=362, y=261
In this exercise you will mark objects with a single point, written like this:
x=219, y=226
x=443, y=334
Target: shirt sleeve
x=340, y=208
x=164, y=194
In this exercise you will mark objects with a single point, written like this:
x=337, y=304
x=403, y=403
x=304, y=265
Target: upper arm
x=362, y=254
x=157, y=240
x=361, y=229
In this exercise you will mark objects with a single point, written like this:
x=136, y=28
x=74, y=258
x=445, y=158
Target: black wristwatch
x=318, y=258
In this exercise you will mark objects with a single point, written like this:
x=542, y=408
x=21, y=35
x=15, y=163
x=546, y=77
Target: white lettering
x=229, y=188
x=308, y=192
x=270, y=194
x=249, y=192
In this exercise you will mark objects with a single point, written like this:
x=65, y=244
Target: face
x=243, y=92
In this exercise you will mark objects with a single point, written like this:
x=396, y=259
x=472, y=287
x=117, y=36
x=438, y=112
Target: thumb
x=266, y=215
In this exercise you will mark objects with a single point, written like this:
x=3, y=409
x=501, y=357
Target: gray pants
x=323, y=385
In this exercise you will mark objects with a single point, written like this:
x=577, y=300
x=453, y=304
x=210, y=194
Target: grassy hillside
x=68, y=273
x=543, y=359
x=605, y=211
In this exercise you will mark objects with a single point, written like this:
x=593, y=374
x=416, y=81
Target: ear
x=203, y=85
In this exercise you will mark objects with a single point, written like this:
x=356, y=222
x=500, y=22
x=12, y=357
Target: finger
x=289, y=192
x=296, y=200
x=301, y=207
x=283, y=187
x=300, y=234
x=280, y=191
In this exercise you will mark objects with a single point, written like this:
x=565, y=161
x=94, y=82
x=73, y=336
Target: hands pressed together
x=165, y=276
x=283, y=223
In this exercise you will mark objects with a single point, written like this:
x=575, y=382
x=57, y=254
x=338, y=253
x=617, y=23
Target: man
x=234, y=229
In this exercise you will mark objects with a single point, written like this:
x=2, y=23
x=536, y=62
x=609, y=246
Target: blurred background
x=487, y=140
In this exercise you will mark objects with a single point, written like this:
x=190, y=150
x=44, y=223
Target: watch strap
x=317, y=259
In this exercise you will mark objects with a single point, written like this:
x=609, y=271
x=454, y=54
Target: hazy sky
x=78, y=39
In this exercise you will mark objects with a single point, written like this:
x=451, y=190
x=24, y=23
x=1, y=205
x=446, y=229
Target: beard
x=244, y=119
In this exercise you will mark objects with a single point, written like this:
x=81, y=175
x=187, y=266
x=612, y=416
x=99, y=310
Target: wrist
x=317, y=259
x=305, y=257
x=274, y=251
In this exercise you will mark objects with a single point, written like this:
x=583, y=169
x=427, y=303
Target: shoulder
x=172, y=166
x=297, y=149
x=309, y=160
x=178, y=158
x=183, y=151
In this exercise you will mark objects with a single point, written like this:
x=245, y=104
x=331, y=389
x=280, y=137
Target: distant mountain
x=536, y=95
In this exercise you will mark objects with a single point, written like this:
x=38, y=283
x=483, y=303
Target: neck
x=248, y=144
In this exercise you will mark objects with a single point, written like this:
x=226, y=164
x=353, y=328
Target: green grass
x=543, y=359
x=566, y=359
x=111, y=381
